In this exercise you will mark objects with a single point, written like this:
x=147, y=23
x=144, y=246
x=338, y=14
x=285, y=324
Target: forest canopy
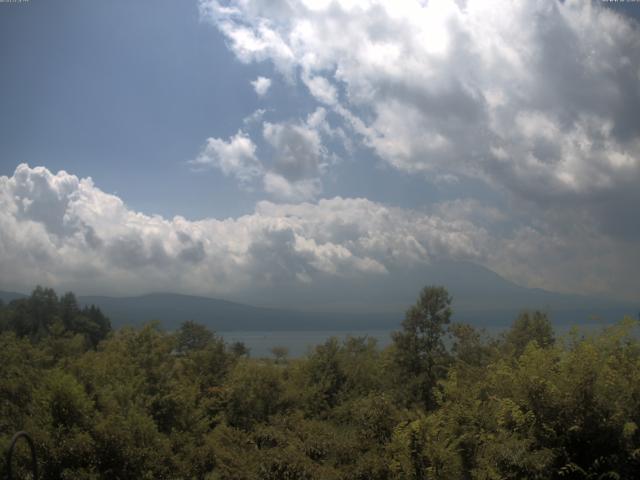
x=443, y=401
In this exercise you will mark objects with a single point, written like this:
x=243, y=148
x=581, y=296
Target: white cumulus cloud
x=234, y=157
x=63, y=231
x=261, y=85
x=297, y=163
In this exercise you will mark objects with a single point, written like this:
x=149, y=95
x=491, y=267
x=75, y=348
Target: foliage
x=529, y=327
x=148, y=404
x=420, y=353
x=42, y=314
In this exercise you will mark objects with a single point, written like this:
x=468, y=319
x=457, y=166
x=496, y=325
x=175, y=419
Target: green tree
x=192, y=336
x=323, y=377
x=95, y=325
x=43, y=315
x=280, y=353
x=239, y=349
x=33, y=317
x=4, y=322
x=253, y=393
x=530, y=327
x=470, y=346
x=69, y=310
x=420, y=353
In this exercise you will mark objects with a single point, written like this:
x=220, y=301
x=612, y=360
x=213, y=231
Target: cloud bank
x=538, y=100
x=60, y=230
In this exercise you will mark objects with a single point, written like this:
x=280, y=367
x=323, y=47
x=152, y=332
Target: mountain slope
x=221, y=315
x=7, y=297
x=480, y=297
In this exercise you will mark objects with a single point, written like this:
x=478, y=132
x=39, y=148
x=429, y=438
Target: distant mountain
x=7, y=297
x=221, y=315
x=480, y=297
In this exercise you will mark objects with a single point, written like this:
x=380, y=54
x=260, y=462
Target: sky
x=214, y=147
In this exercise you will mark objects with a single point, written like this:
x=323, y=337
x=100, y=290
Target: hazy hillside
x=481, y=297
x=221, y=315
x=6, y=297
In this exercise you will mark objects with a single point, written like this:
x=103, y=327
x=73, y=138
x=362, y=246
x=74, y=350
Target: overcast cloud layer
x=537, y=101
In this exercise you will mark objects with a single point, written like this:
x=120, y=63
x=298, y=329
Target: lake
x=260, y=343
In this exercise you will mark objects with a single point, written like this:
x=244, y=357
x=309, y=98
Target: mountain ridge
x=480, y=297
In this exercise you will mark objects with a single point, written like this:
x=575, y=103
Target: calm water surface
x=299, y=343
